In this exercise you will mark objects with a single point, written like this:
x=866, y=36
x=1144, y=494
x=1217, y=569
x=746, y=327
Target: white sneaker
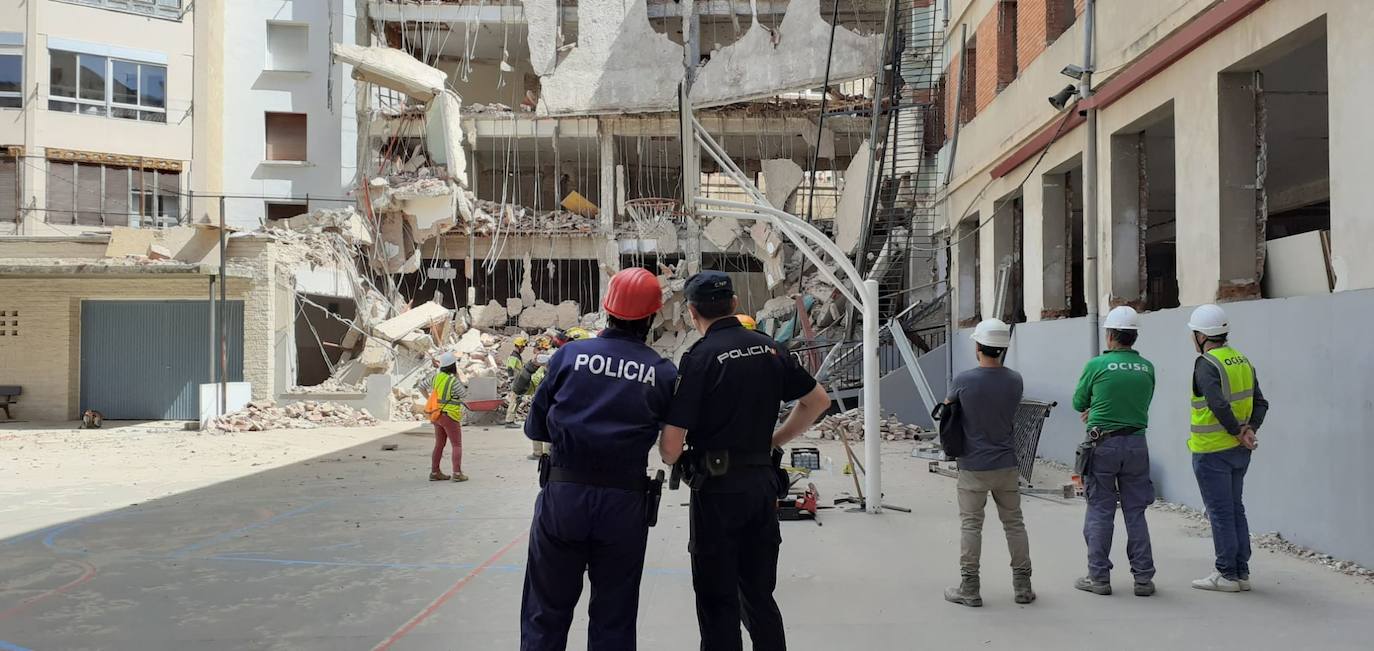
x=1244, y=584
x=1217, y=583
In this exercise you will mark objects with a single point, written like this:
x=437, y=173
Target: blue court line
x=6, y=646
x=246, y=528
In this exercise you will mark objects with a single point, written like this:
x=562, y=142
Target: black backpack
x=951, y=428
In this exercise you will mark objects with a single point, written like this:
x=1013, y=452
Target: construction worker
x=1228, y=409
x=522, y=389
x=732, y=384
x=747, y=321
x=602, y=406
x=577, y=333
x=987, y=397
x=1114, y=394
x=448, y=426
x=516, y=359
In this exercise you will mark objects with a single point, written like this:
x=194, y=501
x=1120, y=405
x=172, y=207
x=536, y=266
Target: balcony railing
x=168, y=9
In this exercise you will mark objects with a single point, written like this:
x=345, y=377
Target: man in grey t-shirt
x=988, y=396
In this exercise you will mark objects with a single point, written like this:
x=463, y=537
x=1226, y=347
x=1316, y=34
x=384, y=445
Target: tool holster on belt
x=653, y=499
x=688, y=469
x=784, y=480
x=545, y=466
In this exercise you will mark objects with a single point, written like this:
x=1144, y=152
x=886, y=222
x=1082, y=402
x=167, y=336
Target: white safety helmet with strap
x=993, y=333
x=1122, y=317
x=1210, y=320
x=447, y=359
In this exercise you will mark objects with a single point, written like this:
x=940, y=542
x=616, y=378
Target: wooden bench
x=9, y=394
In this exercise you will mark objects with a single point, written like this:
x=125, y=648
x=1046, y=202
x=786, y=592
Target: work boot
x=1215, y=582
x=1089, y=584
x=458, y=476
x=1144, y=589
x=438, y=476
x=966, y=593
x=510, y=424
x=1021, y=586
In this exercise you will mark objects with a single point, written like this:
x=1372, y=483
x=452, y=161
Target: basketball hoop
x=648, y=209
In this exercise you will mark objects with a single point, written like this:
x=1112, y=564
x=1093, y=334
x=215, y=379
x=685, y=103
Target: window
x=286, y=136
x=90, y=194
x=287, y=46
x=97, y=85
x=169, y=9
x=285, y=210
x=11, y=79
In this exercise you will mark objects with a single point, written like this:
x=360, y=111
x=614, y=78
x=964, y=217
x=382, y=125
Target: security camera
x=1061, y=99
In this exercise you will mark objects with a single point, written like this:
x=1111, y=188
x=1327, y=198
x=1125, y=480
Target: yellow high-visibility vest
x=448, y=403
x=1238, y=385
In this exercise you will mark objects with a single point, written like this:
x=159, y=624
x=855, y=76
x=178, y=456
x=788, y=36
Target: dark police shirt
x=602, y=404
x=731, y=384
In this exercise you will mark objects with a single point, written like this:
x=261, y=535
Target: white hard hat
x=542, y=358
x=992, y=333
x=447, y=359
x=1210, y=320
x=1122, y=317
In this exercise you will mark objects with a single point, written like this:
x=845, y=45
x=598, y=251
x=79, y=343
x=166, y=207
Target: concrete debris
x=491, y=315
x=158, y=252
x=262, y=415
x=722, y=232
x=494, y=108
x=540, y=316
x=392, y=68
x=850, y=424
x=849, y=215
x=444, y=135
x=567, y=315
x=330, y=385
x=414, y=319
x=513, y=306
x=781, y=177
x=347, y=222
x=1272, y=541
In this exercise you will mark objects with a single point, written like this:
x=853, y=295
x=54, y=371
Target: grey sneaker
x=1021, y=585
x=1215, y=582
x=1244, y=582
x=1144, y=589
x=966, y=593
x=1089, y=584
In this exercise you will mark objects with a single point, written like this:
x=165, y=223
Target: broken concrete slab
x=539, y=315
x=125, y=241
x=414, y=319
x=527, y=281
x=470, y=342
x=158, y=252
x=392, y=68
x=568, y=315
x=620, y=64
x=417, y=341
x=346, y=221
x=444, y=135
x=491, y=315
x=375, y=358
x=722, y=232
x=781, y=177
x=513, y=306
x=849, y=216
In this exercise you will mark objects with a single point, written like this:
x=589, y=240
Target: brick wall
x=951, y=93
x=996, y=64
x=45, y=358
x=1039, y=23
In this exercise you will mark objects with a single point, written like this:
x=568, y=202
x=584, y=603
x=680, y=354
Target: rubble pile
x=330, y=385
x=408, y=404
x=850, y=424
x=262, y=415
x=487, y=216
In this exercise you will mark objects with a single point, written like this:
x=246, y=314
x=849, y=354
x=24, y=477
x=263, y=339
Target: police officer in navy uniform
x=731, y=385
x=601, y=405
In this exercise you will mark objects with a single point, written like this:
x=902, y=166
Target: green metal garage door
x=144, y=359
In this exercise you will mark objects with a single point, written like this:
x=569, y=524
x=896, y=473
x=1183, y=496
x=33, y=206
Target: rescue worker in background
x=602, y=406
x=448, y=426
x=516, y=359
x=747, y=321
x=732, y=384
x=1114, y=396
x=1228, y=409
x=988, y=397
x=522, y=381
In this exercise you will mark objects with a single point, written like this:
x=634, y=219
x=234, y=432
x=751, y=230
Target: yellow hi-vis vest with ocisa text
x=1238, y=385
x=447, y=402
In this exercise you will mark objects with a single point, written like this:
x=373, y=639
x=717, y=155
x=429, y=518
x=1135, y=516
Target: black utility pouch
x=717, y=463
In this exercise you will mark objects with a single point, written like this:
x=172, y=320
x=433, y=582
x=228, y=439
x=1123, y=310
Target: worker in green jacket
x=1114, y=396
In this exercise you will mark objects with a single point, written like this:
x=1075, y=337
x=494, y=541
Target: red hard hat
x=633, y=294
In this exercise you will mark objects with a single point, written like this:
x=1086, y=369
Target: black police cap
x=709, y=286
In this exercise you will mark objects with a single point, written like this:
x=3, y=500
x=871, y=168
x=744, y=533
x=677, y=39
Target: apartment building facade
x=1232, y=154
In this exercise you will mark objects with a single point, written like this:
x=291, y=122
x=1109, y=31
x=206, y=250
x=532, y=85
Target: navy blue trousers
x=1120, y=472
x=577, y=529
x=734, y=544
x=1221, y=480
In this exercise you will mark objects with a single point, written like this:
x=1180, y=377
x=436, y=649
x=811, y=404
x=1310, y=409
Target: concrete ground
x=355, y=550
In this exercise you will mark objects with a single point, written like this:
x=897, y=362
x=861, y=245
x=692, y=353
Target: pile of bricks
x=850, y=424
x=262, y=415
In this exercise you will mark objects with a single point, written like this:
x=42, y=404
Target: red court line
x=87, y=575
x=438, y=602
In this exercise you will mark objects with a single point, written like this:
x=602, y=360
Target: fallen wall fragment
x=392, y=68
